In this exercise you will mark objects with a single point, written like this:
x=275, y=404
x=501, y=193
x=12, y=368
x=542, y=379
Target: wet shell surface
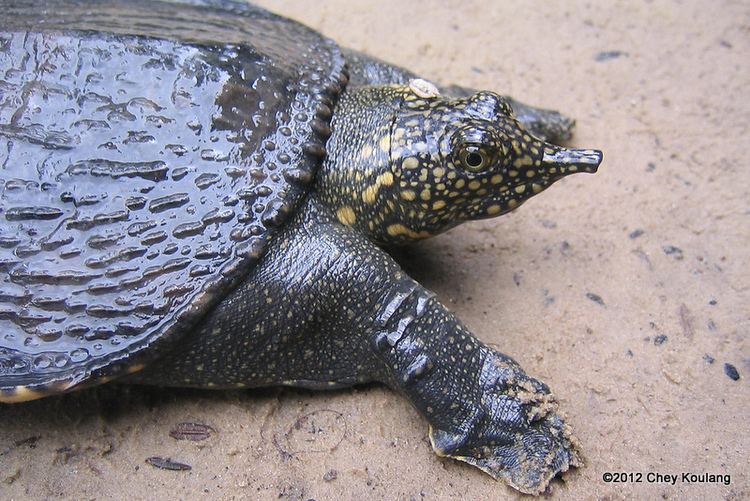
x=148, y=151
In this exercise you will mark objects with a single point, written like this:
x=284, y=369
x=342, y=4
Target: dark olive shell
x=148, y=151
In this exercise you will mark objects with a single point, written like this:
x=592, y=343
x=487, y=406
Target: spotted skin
x=547, y=125
x=326, y=308
x=319, y=304
x=413, y=167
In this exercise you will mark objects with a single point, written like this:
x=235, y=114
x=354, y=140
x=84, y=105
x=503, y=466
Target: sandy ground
x=627, y=291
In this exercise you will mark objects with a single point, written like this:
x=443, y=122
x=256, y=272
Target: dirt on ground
x=626, y=291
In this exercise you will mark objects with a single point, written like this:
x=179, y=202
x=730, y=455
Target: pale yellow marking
x=520, y=188
x=370, y=193
x=512, y=203
x=536, y=188
x=410, y=163
x=385, y=144
x=22, y=394
x=346, y=215
x=408, y=195
x=135, y=368
x=512, y=173
x=496, y=179
x=474, y=185
x=386, y=179
x=493, y=209
x=425, y=195
x=439, y=204
x=460, y=184
x=530, y=173
x=523, y=161
x=395, y=230
x=438, y=172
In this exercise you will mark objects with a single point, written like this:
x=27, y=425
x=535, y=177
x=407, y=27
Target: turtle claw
x=518, y=436
x=527, y=464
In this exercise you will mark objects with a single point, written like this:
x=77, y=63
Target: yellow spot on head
x=474, y=185
x=408, y=195
x=520, y=188
x=460, y=184
x=425, y=195
x=346, y=215
x=439, y=204
x=410, y=163
x=438, y=172
x=496, y=179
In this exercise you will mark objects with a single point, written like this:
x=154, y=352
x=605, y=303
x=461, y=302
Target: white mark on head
x=422, y=88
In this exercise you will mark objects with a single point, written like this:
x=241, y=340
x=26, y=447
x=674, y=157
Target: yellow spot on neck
x=520, y=188
x=386, y=179
x=396, y=230
x=385, y=143
x=512, y=203
x=493, y=209
x=439, y=204
x=346, y=215
x=370, y=193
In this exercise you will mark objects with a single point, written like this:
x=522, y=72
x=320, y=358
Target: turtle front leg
x=481, y=406
x=327, y=308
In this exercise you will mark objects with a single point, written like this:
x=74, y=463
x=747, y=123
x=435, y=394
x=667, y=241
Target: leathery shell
x=148, y=153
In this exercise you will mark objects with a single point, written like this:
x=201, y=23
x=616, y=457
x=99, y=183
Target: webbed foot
x=514, y=433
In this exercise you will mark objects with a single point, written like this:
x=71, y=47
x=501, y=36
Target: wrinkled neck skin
x=358, y=181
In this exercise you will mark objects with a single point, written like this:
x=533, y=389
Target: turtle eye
x=474, y=157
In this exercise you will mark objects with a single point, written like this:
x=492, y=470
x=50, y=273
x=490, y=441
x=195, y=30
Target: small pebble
x=595, y=298
x=708, y=359
x=731, y=371
x=660, y=339
x=636, y=233
x=606, y=55
x=671, y=250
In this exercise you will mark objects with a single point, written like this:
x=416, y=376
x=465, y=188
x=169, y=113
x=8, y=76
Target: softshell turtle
x=196, y=194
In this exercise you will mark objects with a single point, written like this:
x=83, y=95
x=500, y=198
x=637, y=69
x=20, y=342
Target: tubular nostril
x=571, y=160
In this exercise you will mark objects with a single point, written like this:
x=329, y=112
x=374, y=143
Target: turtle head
x=406, y=163
x=465, y=159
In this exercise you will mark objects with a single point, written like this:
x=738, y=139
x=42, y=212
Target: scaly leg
x=328, y=308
